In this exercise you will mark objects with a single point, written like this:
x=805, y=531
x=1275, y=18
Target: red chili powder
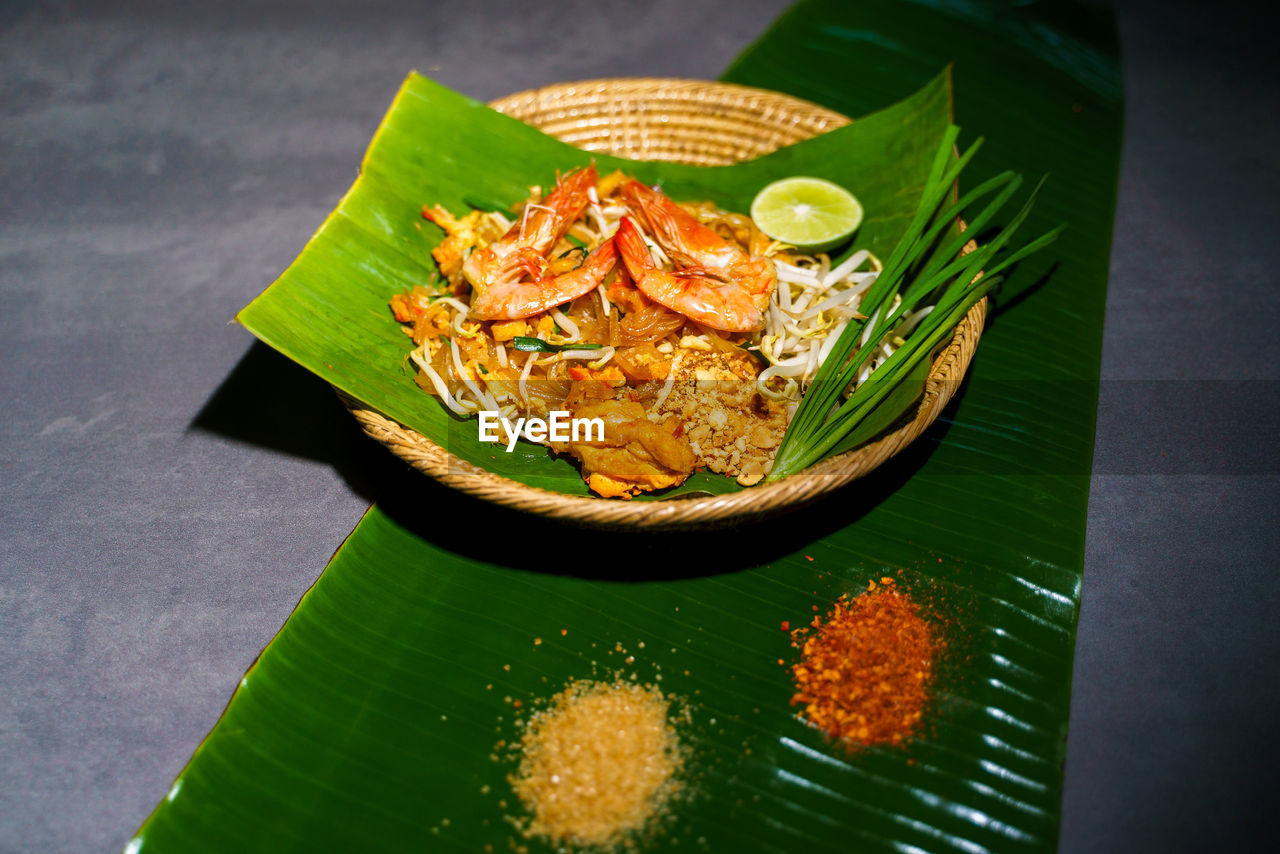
x=866, y=672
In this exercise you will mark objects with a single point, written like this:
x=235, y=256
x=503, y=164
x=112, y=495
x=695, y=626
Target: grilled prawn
x=715, y=281
x=503, y=273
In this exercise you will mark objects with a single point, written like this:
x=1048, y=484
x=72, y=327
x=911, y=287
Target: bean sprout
x=596, y=359
x=670, y=383
x=571, y=332
x=441, y=387
x=811, y=306
x=460, y=370
x=524, y=377
x=594, y=207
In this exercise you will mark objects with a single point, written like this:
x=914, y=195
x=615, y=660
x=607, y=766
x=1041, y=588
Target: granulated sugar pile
x=598, y=765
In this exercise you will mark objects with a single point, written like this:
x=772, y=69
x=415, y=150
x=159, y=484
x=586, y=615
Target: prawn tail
x=633, y=249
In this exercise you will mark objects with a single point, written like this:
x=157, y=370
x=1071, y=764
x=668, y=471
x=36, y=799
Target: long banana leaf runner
x=372, y=721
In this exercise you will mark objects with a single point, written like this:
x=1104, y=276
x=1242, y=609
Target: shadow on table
x=270, y=402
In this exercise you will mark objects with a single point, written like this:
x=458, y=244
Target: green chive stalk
x=926, y=268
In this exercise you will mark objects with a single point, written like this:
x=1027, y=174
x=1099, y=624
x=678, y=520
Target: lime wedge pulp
x=811, y=214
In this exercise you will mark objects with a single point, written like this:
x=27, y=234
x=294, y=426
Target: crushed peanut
x=715, y=395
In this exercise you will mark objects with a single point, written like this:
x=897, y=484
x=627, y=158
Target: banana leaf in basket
x=329, y=313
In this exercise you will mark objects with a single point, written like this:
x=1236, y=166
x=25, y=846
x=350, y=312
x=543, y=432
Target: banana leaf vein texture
x=370, y=721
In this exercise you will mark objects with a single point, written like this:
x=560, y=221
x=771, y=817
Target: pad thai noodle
x=685, y=329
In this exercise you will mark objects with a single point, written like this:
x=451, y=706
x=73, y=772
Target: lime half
x=811, y=214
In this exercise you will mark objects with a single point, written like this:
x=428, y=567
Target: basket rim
x=667, y=86
x=753, y=503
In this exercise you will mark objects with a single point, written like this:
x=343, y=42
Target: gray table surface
x=163, y=512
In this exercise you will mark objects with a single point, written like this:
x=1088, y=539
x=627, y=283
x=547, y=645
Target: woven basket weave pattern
x=704, y=124
x=685, y=121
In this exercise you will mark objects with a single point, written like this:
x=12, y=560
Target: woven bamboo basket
x=705, y=124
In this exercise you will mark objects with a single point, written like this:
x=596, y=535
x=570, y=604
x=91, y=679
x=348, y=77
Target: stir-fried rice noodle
x=634, y=350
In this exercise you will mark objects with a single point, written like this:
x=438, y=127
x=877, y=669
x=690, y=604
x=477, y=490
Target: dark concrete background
x=163, y=512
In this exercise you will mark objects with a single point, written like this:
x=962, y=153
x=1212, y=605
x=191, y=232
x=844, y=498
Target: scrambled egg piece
x=478, y=228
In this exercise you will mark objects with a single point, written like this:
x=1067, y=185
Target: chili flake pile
x=866, y=673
